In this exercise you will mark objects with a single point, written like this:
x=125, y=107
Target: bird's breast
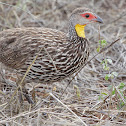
x=54, y=64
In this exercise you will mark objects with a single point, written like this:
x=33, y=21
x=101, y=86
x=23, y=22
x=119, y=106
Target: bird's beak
x=97, y=19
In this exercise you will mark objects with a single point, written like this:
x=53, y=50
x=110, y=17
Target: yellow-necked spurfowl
x=61, y=54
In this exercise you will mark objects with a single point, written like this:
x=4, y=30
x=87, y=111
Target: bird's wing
x=19, y=45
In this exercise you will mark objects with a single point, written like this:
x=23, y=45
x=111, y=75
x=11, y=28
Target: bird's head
x=81, y=17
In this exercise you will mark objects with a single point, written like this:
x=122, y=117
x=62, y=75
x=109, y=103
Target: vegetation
x=97, y=94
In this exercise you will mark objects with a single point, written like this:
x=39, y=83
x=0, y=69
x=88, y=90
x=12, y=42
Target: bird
x=59, y=54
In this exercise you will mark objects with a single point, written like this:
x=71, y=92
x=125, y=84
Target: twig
x=102, y=50
x=50, y=58
x=120, y=95
x=42, y=110
x=68, y=109
x=20, y=84
x=122, y=15
x=28, y=12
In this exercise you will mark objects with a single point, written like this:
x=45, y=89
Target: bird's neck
x=76, y=31
x=80, y=30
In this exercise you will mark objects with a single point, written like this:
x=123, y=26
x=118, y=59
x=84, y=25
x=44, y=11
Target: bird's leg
x=24, y=91
x=12, y=78
x=27, y=96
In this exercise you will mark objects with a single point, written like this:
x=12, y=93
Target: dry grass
x=90, y=81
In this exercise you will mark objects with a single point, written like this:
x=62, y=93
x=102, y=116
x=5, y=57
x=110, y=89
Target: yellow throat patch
x=80, y=30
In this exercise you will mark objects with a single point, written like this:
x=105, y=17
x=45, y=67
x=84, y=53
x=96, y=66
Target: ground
x=96, y=95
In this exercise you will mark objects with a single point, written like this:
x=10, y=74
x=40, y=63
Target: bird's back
x=19, y=44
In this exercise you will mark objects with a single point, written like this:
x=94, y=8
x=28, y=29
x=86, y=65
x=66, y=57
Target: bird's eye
x=87, y=15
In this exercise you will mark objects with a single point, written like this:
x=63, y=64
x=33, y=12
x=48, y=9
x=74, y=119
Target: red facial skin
x=91, y=16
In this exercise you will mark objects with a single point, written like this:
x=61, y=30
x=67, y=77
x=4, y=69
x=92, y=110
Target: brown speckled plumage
x=61, y=54
x=59, y=57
